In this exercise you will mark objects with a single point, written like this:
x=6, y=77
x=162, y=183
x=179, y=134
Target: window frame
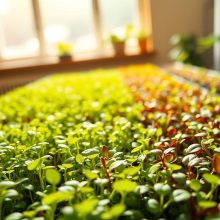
x=144, y=19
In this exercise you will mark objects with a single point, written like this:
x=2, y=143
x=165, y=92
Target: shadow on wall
x=183, y=16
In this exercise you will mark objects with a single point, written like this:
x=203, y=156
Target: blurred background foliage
x=190, y=49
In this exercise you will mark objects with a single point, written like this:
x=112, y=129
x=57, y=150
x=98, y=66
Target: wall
x=178, y=16
x=217, y=32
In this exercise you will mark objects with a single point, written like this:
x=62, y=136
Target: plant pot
x=143, y=45
x=65, y=58
x=119, y=48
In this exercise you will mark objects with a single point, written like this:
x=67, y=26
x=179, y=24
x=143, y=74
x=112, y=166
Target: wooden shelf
x=52, y=64
x=14, y=74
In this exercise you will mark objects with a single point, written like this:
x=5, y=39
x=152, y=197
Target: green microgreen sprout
x=128, y=143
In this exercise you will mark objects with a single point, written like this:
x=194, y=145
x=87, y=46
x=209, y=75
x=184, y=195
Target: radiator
x=9, y=83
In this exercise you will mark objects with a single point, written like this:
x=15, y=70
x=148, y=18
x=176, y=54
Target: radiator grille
x=9, y=83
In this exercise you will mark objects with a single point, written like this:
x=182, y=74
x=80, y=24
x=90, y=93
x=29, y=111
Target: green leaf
x=217, y=150
x=66, y=189
x=153, y=206
x=195, y=185
x=141, y=189
x=86, y=207
x=68, y=213
x=194, y=162
x=79, y=158
x=53, y=176
x=206, y=142
x=114, y=212
x=179, y=177
x=11, y=193
x=86, y=189
x=207, y=204
x=7, y=184
x=193, y=148
x=14, y=216
x=30, y=214
x=22, y=180
x=174, y=166
x=90, y=151
x=180, y=195
x=136, y=149
x=124, y=185
x=117, y=210
x=73, y=183
x=117, y=163
x=211, y=178
x=154, y=168
x=65, y=166
x=101, y=181
x=34, y=164
x=162, y=189
x=57, y=197
x=207, y=42
x=159, y=132
x=92, y=156
x=103, y=202
x=90, y=174
x=201, y=134
x=131, y=171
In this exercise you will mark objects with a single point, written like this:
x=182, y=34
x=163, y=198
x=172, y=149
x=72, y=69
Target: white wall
x=178, y=16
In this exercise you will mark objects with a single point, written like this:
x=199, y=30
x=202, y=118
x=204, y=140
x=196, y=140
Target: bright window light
x=17, y=34
x=68, y=21
x=117, y=14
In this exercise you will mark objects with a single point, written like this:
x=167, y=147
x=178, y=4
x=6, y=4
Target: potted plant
x=118, y=44
x=118, y=40
x=64, y=51
x=190, y=49
x=142, y=38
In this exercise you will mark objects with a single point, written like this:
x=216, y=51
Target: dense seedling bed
x=207, y=78
x=131, y=143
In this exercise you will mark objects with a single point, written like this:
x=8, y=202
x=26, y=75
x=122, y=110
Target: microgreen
x=129, y=143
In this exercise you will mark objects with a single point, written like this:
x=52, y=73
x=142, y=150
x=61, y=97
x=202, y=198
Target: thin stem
x=52, y=213
x=54, y=188
x=41, y=179
x=123, y=195
x=30, y=196
x=112, y=194
x=167, y=204
x=1, y=204
x=161, y=200
x=77, y=147
x=210, y=194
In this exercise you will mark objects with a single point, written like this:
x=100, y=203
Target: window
x=17, y=34
x=123, y=12
x=38, y=25
x=68, y=21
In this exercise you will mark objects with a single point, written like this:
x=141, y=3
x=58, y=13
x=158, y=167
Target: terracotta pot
x=65, y=58
x=119, y=48
x=143, y=45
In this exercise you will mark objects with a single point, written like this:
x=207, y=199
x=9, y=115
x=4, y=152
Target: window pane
x=17, y=35
x=68, y=21
x=116, y=14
